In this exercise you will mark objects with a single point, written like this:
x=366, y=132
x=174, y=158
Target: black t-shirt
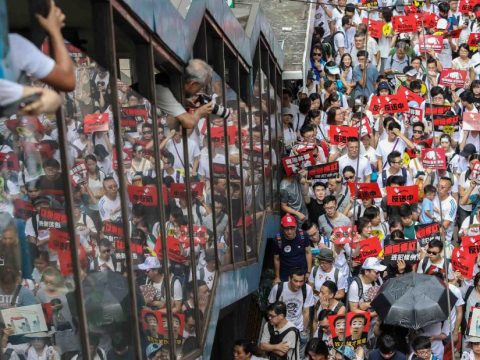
x=112, y=355
x=315, y=210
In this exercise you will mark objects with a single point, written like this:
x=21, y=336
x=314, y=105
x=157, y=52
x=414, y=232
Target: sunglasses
x=417, y=131
x=349, y=177
x=432, y=252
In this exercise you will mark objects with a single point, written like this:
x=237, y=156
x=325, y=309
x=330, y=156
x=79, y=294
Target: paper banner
x=390, y=104
x=434, y=159
x=323, y=171
x=293, y=164
x=404, y=24
x=453, y=77
x=52, y=219
x=95, y=122
x=463, y=261
x=410, y=95
x=364, y=191
x=146, y=195
x=399, y=195
x=343, y=234
x=358, y=324
x=413, y=116
x=406, y=251
x=340, y=134
x=370, y=247
x=471, y=121
x=424, y=233
x=430, y=42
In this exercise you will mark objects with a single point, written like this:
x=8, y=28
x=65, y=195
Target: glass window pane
x=266, y=141
x=274, y=141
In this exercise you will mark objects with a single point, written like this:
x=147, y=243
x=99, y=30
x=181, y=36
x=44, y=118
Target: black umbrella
x=106, y=298
x=413, y=301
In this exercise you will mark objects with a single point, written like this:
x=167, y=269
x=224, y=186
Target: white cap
x=151, y=262
x=442, y=24
x=373, y=263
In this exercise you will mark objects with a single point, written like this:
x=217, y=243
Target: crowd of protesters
x=323, y=286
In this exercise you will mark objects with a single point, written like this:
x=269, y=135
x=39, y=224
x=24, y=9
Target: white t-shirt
x=369, y=292
x=385, y=147
x=290, y=338
x=26, y=58
x=475, y=227
x=449, y=211
x=465, y=184
x=436, y=329
x=9, y=92
x=322, y=276
x=110, y=210
x=294, y=302
x=177, y=150
x=364, y=168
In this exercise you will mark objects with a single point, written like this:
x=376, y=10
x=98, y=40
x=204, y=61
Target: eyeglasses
x=397, y=162
x=432, y=253
x=418, y=131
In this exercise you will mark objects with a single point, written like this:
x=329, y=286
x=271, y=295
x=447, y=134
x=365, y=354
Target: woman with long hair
x=346, y=72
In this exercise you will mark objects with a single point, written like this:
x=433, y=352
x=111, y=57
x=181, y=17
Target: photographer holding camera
x=198, y=74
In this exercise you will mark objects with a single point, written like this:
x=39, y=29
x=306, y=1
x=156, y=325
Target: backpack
x=329, y=42
x=360, y=285
x=424, y=263
x=8, y=354
x=277, y=338
x=391, y=60
x=280, y=289
x=384, y=176
x=315, y=270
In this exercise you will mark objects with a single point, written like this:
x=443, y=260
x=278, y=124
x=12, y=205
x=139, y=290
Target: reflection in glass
x=267, y=162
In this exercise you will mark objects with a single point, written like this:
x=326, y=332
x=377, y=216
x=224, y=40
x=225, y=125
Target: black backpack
x=360, y=285
x=464, y=323
x=280, y=289
x=277, y=338
x=328, y=42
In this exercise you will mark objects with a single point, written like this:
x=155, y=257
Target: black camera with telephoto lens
x=218, y=110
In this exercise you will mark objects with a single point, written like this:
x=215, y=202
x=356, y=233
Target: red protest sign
x=453, y=77
x=473, y=40
x=9, y=162
x=179, y=190
x=146, y=195
x=475, y=170
x=340, y=134
x=198, y=232
x=375, y=27
x=463, y=261
x=343, y=234
x=78, y=174
x=445, y=120
x=405, y=250
x=427, y=232
x=414, y=115
x=404, y=24
x=139, y=112
x=52, y=219
x=390, y=104
x=370, y=247
x=95, y=122
x=358, y=325
x=217, y=134
x=410, y=95
x=472, y=243
x=432, y=109
x=112, y=232
x=471, y=121
x=323, y=171
x=430, y=19
x=466, y=6
x=337, y=322
x=455, y=34
x=364, y=191
x=400, y=195
x=293, y=164
x=410, y=9
x=434, y=159
x=430, y=42
x=418, y=19
x=65, y=259
x=23, y=209
x=59, y=240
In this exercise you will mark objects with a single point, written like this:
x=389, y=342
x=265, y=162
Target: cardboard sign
x=390, y=104
x=337, y=329
x=358, y=324
x=340, y=134
x=404, y=24
x=364, y=191
x=399, y=195
x=139, y=112
x=430, y=42
x=217, y=134
x=146, y=195
x=343, y=234
x=323, y=171
x=430, y=20
x=95, y=122
x=375, y=27
x=179, y=191
x=439, y=121
x=425, y=233
x=413, y=115
x=471, y=121
x=52, y=219
x=434, y=159
x=466, y=6
x=23, y=209
x=9, y=162
x=59, y=240
x=406, y=251
x=78, y=174
x=453, y=77
x=370, y=247
x=463, y=261
x=410, y=95
x=293, y=164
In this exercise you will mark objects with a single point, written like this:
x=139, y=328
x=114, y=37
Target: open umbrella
x=413, y=301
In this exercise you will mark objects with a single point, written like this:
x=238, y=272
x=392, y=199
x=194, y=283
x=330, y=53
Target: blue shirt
x=292, y=253
x=426, y=205
x=371, y=78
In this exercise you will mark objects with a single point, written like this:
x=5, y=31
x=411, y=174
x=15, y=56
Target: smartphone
x=13, y=108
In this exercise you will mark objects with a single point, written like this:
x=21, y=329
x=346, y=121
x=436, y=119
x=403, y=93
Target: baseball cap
x=372, y=263
x=151, y=262
x=334, y=70
x=383, y=86
x=326, y=255
x=287, y=111
x=347, y=352
x=152, y=349
x=442, y=24
x=288, y=221
x=472, y=339
x=468, y=150
x=41, y=200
